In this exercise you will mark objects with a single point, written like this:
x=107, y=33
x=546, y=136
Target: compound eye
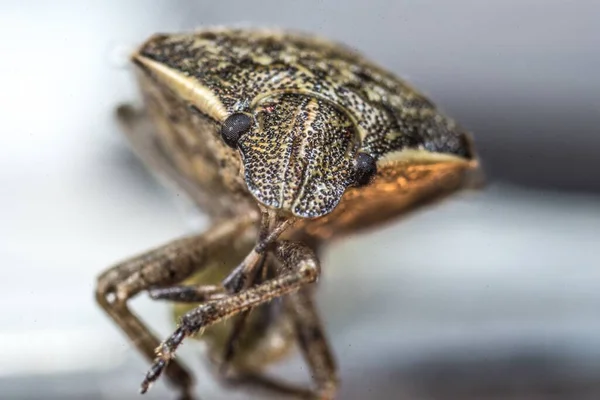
x=234, y=127
x=366, y=168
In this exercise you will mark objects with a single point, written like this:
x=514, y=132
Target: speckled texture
x=294, y=126
x=302, y=159
x=340, y=102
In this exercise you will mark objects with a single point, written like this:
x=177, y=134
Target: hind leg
x=313, y=344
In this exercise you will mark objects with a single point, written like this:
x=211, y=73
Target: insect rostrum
x=286, y=140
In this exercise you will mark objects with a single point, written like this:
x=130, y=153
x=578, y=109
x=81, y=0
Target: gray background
x=489, y=295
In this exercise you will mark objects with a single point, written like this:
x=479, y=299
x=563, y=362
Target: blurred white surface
x=483, y=273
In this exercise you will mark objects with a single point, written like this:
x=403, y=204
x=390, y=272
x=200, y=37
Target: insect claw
x=144, y=387
x=153, y=374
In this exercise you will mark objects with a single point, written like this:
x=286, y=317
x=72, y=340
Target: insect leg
x=202, y=293
x=299, y=267
x=242, y=278
x=164, y=266
x=187, y=294
x=314, y=347
x=313, y=343
x=240, y=324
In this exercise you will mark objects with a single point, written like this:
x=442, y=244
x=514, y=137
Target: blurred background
x=489, y=295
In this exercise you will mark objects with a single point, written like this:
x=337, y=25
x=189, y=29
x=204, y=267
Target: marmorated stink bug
x=286, y=141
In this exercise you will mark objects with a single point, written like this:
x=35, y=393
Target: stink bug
x=286, y=141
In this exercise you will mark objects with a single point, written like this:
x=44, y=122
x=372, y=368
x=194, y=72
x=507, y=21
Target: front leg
x=299, y=267
x=161, y=267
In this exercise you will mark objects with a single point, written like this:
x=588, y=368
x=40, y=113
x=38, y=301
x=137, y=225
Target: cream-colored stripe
x=313, y=110
x=290, y=128
x=188, y=88
x=419, y=155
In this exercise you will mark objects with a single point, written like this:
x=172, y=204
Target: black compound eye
x=366, y=167
x=234, y=127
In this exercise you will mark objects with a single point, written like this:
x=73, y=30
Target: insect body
x=286, y=141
